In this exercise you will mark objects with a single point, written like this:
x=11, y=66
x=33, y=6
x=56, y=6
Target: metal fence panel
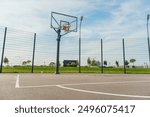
x=18, y=49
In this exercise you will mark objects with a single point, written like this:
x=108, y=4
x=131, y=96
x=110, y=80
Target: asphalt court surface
x=28, y=86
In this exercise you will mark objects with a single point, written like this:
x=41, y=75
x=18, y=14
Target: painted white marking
x=87, y=91
x=40, y=86
x=17, y=81
x=121, y=82
x=102, y=93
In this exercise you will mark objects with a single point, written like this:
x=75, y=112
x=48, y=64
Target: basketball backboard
x=66, y=23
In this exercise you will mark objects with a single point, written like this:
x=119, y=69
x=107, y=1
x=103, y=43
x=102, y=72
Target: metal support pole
x=80, y=44
x=1, y=67
x=58, y=49
x=33, y=52
x=80, y=51
x=148, y=38
x=101, y=55
x=124, y=59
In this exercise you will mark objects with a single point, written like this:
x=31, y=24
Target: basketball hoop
x=66, y=27
x=62, y=24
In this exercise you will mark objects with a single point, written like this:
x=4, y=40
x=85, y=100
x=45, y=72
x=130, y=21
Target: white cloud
x=34, y=15
x=128, y=19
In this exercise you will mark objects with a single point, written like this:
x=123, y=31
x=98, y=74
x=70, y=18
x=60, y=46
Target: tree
x=28, y=62
x=89, y=61
x=6, y=61
x=117, y=63
x=105, y=62
x=126, y=63
x=24, y=63
x=93, y=62
x=52, y=64
x=98, y=63
x=132, y=61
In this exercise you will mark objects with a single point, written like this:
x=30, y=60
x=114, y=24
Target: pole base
x=57, y=73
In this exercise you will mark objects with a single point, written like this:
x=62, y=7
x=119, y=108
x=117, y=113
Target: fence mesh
x=113, y=54
x=19, y=52
x=137, y=49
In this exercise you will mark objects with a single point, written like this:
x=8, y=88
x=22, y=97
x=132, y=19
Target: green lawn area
x=47, y=69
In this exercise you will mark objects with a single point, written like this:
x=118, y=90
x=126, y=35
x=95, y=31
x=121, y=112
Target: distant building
x=70, y=63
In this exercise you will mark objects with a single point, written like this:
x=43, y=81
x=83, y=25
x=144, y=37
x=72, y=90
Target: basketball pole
x=58, y=50
x=59, y=22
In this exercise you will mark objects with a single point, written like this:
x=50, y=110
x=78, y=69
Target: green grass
x=138, y=70
x=114, y=70
x=19, y=69
x=47, y=69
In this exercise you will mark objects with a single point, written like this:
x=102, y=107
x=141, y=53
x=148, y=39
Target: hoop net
x=66, y=27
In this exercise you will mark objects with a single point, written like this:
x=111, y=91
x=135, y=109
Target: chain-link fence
x=22, y=51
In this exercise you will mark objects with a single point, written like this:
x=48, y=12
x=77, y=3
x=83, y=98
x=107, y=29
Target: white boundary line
x=40, y=86
x=63, y=86
x=76, y=84
x=17, y=81
x=103, y=93
x=119, y=82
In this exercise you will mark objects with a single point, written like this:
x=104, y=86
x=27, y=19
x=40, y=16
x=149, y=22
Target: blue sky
x=111, y=20
x=34, y=15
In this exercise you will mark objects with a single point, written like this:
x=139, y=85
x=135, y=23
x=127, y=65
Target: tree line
x=93, y=62
x=90, y=62
x=24, y=63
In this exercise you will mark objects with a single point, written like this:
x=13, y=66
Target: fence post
x=33, y=52
x=101, y=55
x=124, y=57
x=1, y=67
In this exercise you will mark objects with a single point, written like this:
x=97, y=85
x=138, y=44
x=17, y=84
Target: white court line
x=121, y=82
x=103, y=93
x=87, y=91
x=17, y=81
x=40, y=86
